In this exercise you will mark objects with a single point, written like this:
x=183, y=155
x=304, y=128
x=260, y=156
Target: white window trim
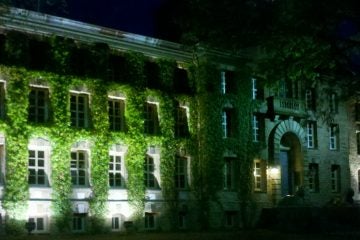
x=223, y=81
x=113, y=99
x=256, y=129
x=121, y=222
x=87, y=167
x=45, y=223
x=254, y=88
x=258, y=175
x=224, y=124
x=33, y=146
x=153, y=152
x=333, y=137
x=122, y=171
x=82, y=227
x=310, y=127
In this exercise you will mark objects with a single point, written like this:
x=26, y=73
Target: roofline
x=47, y=25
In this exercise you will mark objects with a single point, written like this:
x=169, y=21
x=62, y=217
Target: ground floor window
x=116, y=223
x=182, y=220
x=230, y=218
x=39, y=223
x=150, y=220
x=78, y=223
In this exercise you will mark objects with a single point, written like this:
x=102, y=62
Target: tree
x=54, y=7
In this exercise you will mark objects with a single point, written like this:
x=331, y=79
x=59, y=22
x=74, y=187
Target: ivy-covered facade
x=102, y=130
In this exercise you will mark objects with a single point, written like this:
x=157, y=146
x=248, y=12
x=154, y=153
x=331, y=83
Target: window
x=180, y=172
x=149, y=173
x=228, y=123
x=38, y=105
x=78, y=223
x=149, y=220
x=182, y=220
x=258, y=128
x=151, y=118
x=357, y=111
x=2, y=164
x=116, y=223
x=229, y=173
x=36, y=167
x=257, y=90
x=335, y=178
x=115, y=178
x=311, y=129
x=314, y=177
x=181, y=123
x=2, y=99
x=230, y=218
x=79, y=105
x=358, y=142
x=259, y=175
x=79, y=168
x=116, y=114
x=310, y=99
x=334, y=137
x=227, y=82
x=359, y=180
x=333, y=102
x=39, y=223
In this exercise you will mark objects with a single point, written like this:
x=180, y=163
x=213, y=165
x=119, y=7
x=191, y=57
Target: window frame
x=75, y=119
x=151, y=119
x=311, y=134
x=181, y=121
x=2, y=161
x=149, y=173
x=228, y=181
x=116, y=119
x=228, y=122
x=334, y=136
x=313, y=178
x=150, y=221
x=181, y=172
x=38, y=168
x=114, y=154
x=335, y=178
x=78, y=223
x=35, y=220
x=114, y=218
x=34, y=109
x=77, y=169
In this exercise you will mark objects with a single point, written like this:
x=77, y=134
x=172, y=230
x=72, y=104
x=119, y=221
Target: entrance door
x=286, y=187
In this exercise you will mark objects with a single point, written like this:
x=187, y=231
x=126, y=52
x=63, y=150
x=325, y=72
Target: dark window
x=79, y=104
x=180, y=172
x=310, y=99
x=38, y=105
x=116, y=114
x=151, y=119
x=228, y=122
x=181, y=81
x=149, y=173
x=181, y=122
x=314, y=177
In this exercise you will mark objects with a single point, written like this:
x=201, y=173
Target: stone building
x=94, y=125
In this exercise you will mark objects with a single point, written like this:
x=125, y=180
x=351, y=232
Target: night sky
x=135, y=16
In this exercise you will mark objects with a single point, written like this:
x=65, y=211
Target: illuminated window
x=78, y=222
x=115, y=170
x=38, y=105
x=335, y=178
x=36, y=166
x=180, y=172
x=79, y=107
x=311, y=128
x=181, y=122
x=151, y=122
x=310, y=99
x=150, y=219
x=259, y=175
x=334, y=137
x=149, y=173
x=79, y=168
x=227, y=82
x=40, y=224
x=333, y=102
x=314, y=177
x=229, y=173
x=258, y=128
x=228, y=122
x=116, y=223
x=116, y=114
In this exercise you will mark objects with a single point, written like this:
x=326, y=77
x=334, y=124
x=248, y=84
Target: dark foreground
x=230, y=235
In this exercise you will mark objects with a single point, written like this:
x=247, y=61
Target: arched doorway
x=291, y=164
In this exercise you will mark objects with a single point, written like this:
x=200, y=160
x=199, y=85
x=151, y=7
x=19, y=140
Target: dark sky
x=135, y=16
